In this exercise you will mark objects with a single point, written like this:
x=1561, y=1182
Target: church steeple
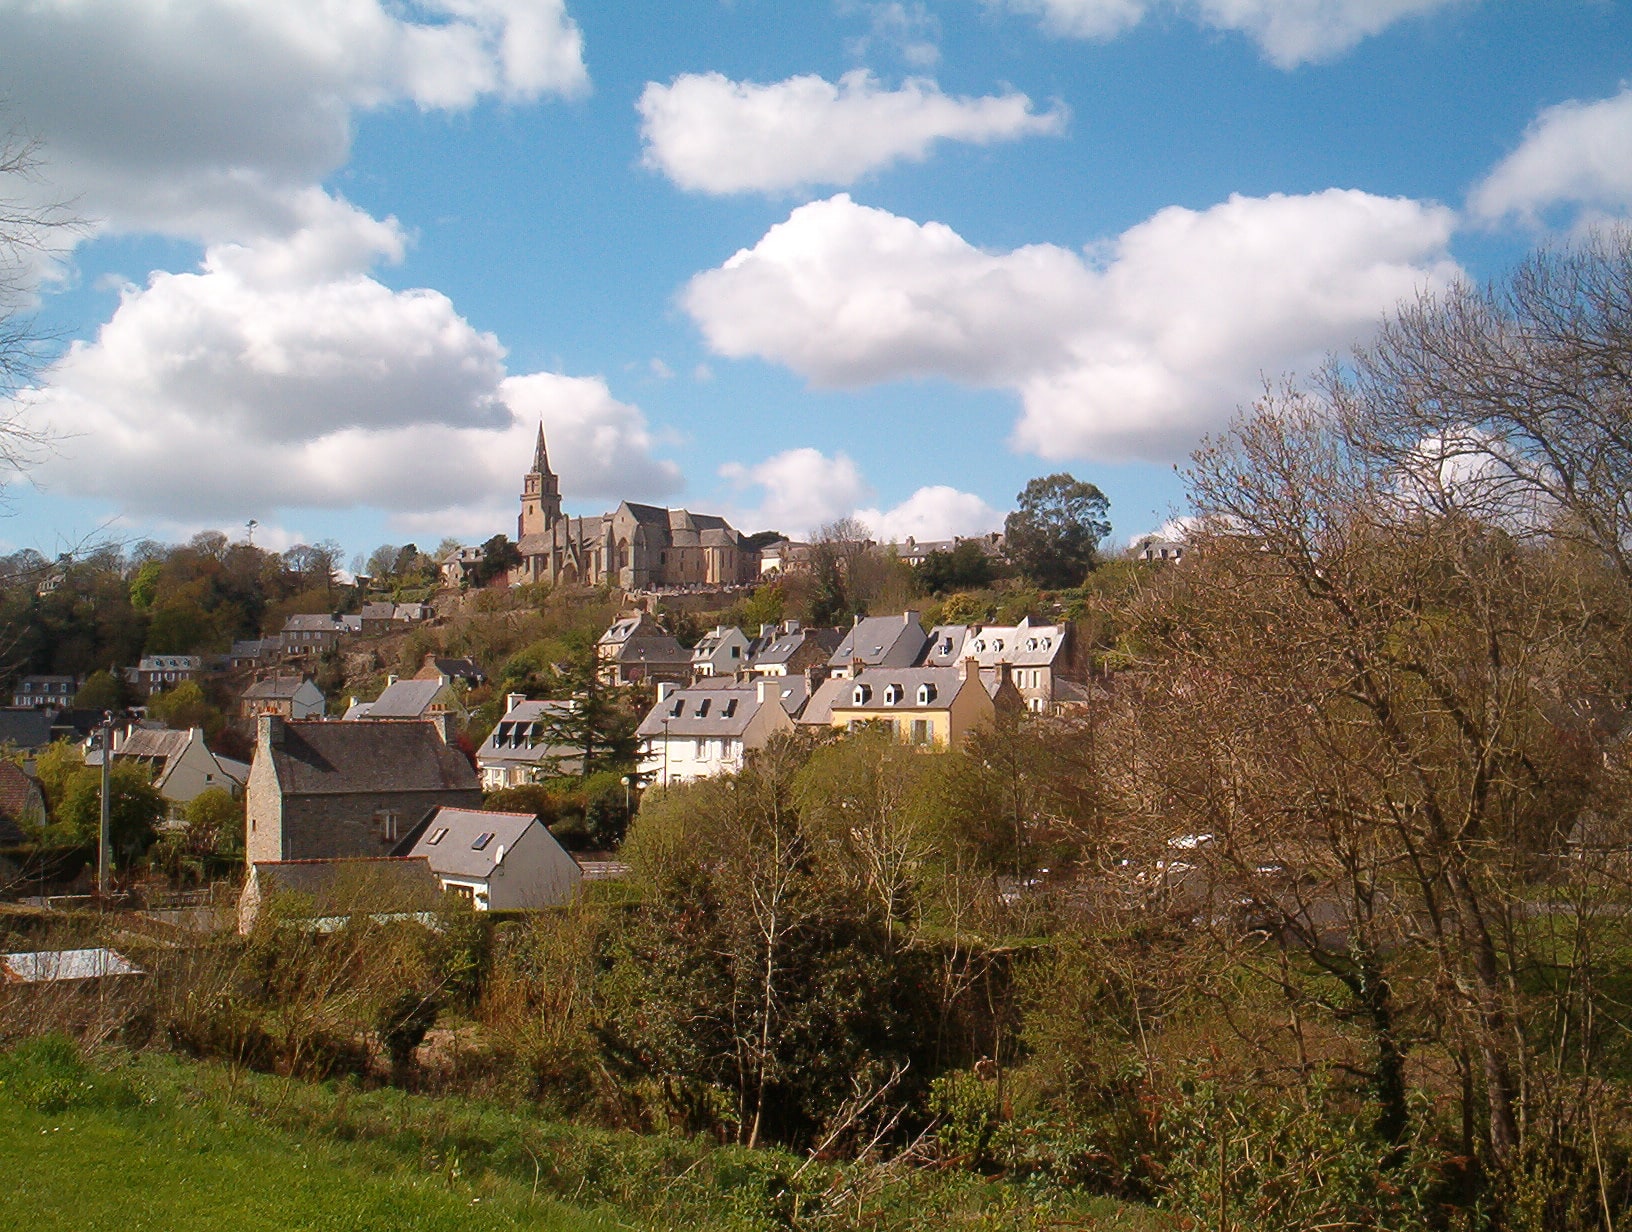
x=540, y=493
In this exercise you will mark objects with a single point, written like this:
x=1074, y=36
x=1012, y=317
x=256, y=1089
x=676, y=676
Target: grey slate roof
x=279, y=688
x=406, y=699
x=454, y=853
x=367, y=755
x=702, y=712
x=386, y=884
x=783, y=647
x=874, y=638
x=25, y=728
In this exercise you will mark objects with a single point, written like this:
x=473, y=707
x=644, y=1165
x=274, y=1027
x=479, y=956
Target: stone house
x=322, y=790
x=635, y=649
x=293, y=697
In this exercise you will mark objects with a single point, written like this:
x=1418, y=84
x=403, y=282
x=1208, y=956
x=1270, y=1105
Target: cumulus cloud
x=936, y=512
x=341, y=391
x=710, y=134
x=1132, y=354
x=214, y=119
x=801, y=490
x=1574, y=154
x=1288, y=32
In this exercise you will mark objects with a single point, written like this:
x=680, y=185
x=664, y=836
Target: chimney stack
x=665, y=689
x=269, y=730
x=512, y=700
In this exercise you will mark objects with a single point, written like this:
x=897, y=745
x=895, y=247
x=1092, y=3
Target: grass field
x=128, y=1144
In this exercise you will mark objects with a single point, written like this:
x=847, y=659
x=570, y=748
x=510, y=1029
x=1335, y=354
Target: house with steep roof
x=791, y=650
x=156, y=673
x=520, y=748
x=723, y=651
x=321, y=790
x=932, y=707
x=412, y=699
x=308, y=634
x=498, y=861
x=706, y=729
x=635, y=649
x=180, y=764
x=255, y=651
x=45, y=692
x=293, y=697
x=1038, y=657
x=879, y=641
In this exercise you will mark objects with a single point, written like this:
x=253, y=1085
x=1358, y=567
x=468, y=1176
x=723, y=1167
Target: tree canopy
x=1053, y=535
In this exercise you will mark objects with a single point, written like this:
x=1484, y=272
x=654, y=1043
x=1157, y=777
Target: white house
x=499, y=861
x=1038, y=657
x=180, y=762
x=700, y=732
x=722, y=651
x=519, y=748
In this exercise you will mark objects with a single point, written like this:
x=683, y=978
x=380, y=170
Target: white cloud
x=1132, y=355
x=1573, y=154
x=1288, y=32
x=801, y=490
x=281, y=375
x=909, y=30
x=937, y=512
x=710, y=134
x=214, y=119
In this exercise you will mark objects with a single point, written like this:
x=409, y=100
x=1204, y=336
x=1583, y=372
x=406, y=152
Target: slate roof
x=512, y=738
x=25, y=727
x=783, y=647
x=720, y=713
x=454, y=854
x=872, y=639
x=839, y=694
x=367, y=755
x=309, y=623
x=406, y=699
x=278, y=688
x=385, y=884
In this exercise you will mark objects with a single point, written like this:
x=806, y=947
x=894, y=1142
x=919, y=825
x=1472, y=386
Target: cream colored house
x=934, y=707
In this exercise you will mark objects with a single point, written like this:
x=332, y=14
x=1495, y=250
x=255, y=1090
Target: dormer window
x=702, y=707
x=675, y=710
x=892, y=694
x=946, y=646
x=980, y=645
x=730, y=708
x=862, y=695
x=926, y=694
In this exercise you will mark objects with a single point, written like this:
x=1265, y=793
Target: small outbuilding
x=499, y=861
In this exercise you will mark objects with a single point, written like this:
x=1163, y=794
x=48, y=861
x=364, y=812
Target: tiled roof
x=278, y=687
x=17, y=791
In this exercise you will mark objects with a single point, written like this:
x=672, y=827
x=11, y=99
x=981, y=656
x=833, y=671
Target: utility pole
x=104, y=855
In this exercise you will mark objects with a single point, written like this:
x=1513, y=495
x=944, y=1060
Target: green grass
x=155, y=1142
x=125, y=1153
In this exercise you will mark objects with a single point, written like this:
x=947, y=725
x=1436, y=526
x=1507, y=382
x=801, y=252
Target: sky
x=337, y=259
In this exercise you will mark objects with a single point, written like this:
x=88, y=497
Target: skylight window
x=482, y=840
x=441, y=833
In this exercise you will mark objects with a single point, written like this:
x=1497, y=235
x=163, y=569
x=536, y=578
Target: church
x=635, y=547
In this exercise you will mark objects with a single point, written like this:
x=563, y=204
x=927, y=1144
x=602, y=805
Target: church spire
x=541, y=455
x=540, y=493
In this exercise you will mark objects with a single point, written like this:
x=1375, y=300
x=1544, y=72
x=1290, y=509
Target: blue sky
x=781, y=261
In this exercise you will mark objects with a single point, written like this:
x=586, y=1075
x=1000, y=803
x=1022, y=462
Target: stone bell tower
x=540, y=494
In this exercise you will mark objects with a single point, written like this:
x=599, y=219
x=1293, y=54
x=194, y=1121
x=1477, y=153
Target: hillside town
x=875, y=616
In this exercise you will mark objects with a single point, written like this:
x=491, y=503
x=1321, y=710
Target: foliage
x=184, y=706
x=1053, y=535
x=134, y=810
x=966, y=567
